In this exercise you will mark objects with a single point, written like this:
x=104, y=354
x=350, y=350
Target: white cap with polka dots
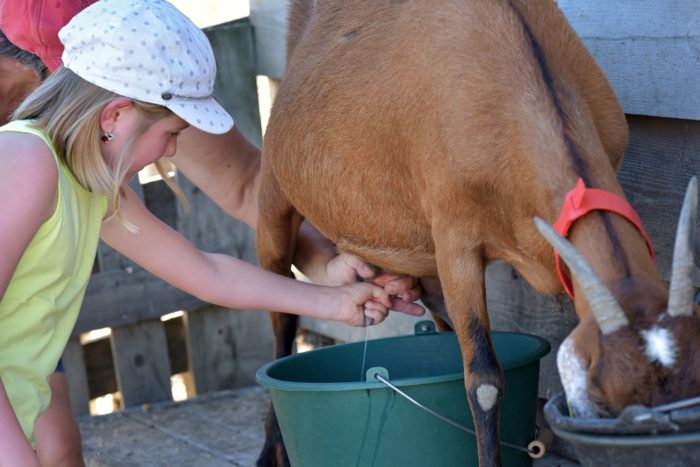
x=149, y=51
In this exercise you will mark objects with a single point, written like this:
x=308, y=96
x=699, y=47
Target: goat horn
x=681, y=291
x=602, y=303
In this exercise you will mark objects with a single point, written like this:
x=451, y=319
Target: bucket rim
x=676, y=422
x=641, y=440
x=264, y=379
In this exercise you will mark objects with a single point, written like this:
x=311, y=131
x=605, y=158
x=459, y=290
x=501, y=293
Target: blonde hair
x=68, y=108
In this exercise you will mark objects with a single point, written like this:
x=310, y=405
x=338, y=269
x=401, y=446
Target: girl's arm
x=28, y=184
x=28, y=181
x=230, y=282
x=14, y=447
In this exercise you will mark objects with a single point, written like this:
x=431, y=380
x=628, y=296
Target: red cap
x=33, y=25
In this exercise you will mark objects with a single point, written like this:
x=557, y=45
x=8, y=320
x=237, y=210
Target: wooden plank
x=141, y=363
x=633, y=18
x=235, y=87
x=269, y=18
x=227, y=347
x=253, y=343
x=647, y=48
x=76, y=375
x=662, y=156
x=211, y=350
x=652, y=76
x=117, y=298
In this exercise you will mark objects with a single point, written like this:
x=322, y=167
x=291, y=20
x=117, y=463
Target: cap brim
x=206, y=115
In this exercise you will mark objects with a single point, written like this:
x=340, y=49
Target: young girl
x=135, y=74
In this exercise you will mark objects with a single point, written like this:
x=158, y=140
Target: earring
x=107, y=137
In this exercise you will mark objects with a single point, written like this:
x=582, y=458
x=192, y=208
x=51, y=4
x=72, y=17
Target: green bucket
x=329, y=417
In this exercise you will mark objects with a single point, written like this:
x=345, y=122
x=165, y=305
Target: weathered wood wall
x=222, y=347
x=647, y=48
x=649, y=51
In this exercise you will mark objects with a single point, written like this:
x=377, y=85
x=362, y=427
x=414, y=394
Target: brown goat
x=424, y=137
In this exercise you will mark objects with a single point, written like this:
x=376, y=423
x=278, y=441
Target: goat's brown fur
x=425, y=136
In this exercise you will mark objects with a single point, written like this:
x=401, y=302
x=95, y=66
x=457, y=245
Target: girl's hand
x=345, y=268
x=403, y=291
x=354, y=302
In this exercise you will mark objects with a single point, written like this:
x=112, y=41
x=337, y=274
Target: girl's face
x=159, y=139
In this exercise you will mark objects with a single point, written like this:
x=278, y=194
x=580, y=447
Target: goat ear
x=573, y=363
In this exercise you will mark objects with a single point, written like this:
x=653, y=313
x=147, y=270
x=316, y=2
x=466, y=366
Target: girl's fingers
x=411, y=295
x=409, y=308
x=397, y=282
x=397, y=285
x=377, y=315
x=364, y=270
x=380, y=295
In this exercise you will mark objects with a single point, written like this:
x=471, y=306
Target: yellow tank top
x=42, y=300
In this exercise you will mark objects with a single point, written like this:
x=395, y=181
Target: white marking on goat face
x=659, y=346
x=574, y=378
x=486, y=395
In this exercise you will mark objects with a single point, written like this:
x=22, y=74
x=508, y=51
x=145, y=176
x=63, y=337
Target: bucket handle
x=535, y=449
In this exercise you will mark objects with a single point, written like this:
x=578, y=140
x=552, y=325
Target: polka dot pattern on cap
x=149, y=51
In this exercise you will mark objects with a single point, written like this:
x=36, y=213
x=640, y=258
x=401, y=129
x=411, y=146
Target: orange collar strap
x=579, y=202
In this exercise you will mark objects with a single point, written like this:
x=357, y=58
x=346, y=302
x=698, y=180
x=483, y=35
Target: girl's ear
x=113, y=112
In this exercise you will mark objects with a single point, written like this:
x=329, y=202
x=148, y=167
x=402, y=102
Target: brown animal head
x=637, y=348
